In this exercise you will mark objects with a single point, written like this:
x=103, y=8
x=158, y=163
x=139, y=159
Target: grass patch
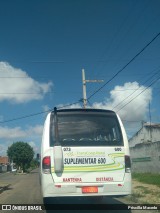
x=147, y=178
x=143, y=189
x=134, y=197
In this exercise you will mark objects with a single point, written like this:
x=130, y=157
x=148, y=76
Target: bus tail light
x=46, y=165
x=127, y=164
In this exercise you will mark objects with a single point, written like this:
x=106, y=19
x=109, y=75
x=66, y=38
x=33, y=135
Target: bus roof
x=84, y=110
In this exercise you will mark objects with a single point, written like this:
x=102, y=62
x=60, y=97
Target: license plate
x=89, y=189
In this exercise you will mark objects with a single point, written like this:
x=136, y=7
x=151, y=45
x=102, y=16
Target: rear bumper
x=49, y=189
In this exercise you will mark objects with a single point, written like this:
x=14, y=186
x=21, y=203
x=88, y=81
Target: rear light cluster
x=127, y=164
x=46, y=165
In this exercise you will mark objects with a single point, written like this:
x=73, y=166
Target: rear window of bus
x=86, y=129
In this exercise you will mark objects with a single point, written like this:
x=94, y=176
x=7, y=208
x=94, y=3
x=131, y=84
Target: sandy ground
x=144, y=193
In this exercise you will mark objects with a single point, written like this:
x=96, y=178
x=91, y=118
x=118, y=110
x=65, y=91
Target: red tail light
x=46, y=164
x=127, y=164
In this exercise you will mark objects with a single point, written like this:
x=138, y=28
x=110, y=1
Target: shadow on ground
x=89, y=204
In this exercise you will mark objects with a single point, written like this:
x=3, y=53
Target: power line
x=136, y=90
x=118, y=35
x=157, y=93
x=68, y=105
x=139, y=94
x=124, y=66
x=38, y=113
x=129, y=30
x=31, y=115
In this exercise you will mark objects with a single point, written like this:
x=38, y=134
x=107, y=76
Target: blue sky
x=44, y=44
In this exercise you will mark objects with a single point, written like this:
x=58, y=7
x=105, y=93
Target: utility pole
x=84, y=81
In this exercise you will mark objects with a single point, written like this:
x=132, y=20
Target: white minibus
x=84, y=152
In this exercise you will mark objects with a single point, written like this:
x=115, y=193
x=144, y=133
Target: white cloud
x=8, y=135
x=12, y=133
x=136, y=110
x=36, y=130
x=16, y=83
x=17, y=133
x=121, y=95
x=119, y=100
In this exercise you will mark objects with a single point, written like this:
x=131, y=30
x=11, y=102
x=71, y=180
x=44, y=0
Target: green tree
x=21, y=153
